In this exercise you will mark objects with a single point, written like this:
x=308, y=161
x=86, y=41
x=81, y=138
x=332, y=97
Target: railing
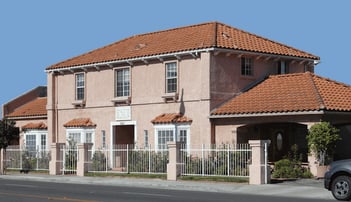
x=216, y=160
x=26, y=159
x=129, y=159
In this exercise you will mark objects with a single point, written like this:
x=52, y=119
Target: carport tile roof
x=36, y=107
x=194, y=37
x=290, y=93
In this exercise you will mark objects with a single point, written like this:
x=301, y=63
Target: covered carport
x=282, y=108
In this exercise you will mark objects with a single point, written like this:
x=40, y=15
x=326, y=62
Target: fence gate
x=68, y=159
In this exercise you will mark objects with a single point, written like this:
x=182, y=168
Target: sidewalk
x=298, y=189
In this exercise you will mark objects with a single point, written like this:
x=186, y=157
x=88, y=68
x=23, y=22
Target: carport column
x=2, y=158
x=55, y=162
x=83, y=154
x=259, y=172
x=173, y=166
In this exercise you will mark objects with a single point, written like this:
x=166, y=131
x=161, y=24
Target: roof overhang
x=177, y=55
x=131, y=61
x=27, y=117
x=318, y=112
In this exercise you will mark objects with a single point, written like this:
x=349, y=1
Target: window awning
x=79, y=122
x=171, y=118
x=31, y=125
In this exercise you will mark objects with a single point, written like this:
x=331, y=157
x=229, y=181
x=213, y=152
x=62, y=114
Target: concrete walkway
x=298, y=189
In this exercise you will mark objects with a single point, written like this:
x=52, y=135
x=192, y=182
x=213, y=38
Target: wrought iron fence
x=129, y=159
x=26, y=159
x=215, y=160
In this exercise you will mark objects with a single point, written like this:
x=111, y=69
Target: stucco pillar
x=2, y=158
x=82, y=161
x=55, y=162
x=173, y=166
x=259, y=172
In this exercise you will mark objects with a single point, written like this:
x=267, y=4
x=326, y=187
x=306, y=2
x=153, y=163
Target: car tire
x=341, y=188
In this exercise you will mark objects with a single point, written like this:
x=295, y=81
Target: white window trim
x=117, y=98
x=37, y=134
x=175, y=128
x=83, y=132
x=167, y=78
x=76, y=87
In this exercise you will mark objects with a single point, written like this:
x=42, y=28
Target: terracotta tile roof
x=36, y=107
x=171, y=118
x=80, y=122
x=40, y=125
x=290, y=93
x=195, y=37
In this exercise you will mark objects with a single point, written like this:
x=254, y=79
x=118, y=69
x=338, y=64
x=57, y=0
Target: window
x=171, y=77
x=169, y=133
x=283, y=67
x=79, y=135
x=31, y=142
x=164, y=136
x=146, y=138
x=103, y=136
x=35, y=140
x=122, y=82
x=246, y=66
x=43, y=142
x=80, y=86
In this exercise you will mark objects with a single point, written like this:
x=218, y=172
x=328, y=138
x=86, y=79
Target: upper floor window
x=122, y=82
x=283, y=67
x=80, y=86
x=246, y=66
x=171, y=77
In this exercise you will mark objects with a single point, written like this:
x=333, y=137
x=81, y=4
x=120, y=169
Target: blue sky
x=37, y=33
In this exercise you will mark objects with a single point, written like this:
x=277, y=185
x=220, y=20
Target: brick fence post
x=56, y=162
x=82, y=162
x=259, y=173
x=173, y=166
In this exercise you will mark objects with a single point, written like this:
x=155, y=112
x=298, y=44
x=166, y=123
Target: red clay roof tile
x=36, y=107
x=290, y=93
x=195, y=37
x=171, y=118
x=39, y=125
x=80, y=122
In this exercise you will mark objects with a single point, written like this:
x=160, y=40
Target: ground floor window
x=169, y=133
x=35, y=140
x=79, y=135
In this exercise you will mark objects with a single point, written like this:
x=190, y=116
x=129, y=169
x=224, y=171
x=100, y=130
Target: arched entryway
x=281, y=135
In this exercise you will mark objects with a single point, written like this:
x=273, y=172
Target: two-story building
x=177, y=84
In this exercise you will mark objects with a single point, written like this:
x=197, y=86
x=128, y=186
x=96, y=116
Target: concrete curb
x=295, y=190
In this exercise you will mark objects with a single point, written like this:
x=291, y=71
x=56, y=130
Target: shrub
x=322, y=138
x=99, y=161
x=291, y=166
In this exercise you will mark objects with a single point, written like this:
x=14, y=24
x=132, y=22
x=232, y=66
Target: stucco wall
x=147, y=101
x=226, y=78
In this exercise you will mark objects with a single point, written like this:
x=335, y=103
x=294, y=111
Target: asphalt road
x=30, y=191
